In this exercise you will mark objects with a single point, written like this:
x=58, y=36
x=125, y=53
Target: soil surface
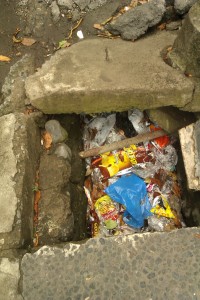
x=34, y=19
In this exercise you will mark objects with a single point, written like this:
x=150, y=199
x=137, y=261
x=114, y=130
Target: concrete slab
x=9, y=279
x=104, y=75
x=13, y=90
x=140, y=266
x=8, y=198
x=19, y=151
x=171, y=119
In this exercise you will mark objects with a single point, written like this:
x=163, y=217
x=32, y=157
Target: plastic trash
x=136, y=117
x=97, y=130
x=158, y=224
x=131, y=192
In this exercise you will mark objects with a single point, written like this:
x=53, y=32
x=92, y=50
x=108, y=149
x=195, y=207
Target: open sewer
x=133, y=187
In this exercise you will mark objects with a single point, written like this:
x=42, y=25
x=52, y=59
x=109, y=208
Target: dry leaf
x=169, y=49
x=98, y=26
x=188, y=74
x=28, y=41
x=63, y=44
x=4, y=58
x=47, y=140
x=16, y=40
x=162, y=26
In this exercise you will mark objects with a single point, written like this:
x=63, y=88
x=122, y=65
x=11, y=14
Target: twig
x=75, y=27
x=121, y=144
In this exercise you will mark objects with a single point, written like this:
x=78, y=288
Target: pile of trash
x=130, y=189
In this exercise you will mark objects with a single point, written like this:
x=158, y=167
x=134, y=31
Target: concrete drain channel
x=112, y=191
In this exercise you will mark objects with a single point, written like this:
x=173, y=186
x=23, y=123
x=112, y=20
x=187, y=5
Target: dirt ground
x=34, y=19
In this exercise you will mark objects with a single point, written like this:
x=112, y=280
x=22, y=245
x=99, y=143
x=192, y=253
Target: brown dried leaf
x=162, y=26
x=16, y=40
x=4, y=58
x=47, y=140
x=98, y=26
x=169, y=49
x=28, y=41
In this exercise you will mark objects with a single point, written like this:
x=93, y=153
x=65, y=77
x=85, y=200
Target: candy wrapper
x=111, y=163
x=161, y=207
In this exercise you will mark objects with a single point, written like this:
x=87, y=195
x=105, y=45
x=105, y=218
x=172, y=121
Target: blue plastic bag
x=132, y=193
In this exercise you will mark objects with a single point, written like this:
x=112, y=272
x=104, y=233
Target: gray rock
x=183, y=6
x=66, y=3
x=135, y=22
x=38, y=18
x=55, y=11
x=95, y=81
x=82, y=4
x=58, y=133
x=169, y=2
x=174, y=25
x=62, y=150
x=185, y=53
x=96, y=3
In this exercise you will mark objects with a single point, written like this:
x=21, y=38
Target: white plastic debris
x=80, y=34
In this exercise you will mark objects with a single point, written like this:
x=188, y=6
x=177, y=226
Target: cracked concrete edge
x=194, y=104
x=25, y=143
x=13, y=90
x=10, y=277
x=188, y=146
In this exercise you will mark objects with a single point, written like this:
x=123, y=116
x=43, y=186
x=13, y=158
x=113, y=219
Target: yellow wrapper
x=160, y=211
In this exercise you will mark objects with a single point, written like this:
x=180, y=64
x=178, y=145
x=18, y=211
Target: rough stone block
x=56, y=220
x=20, y=142
x=186, y=52
x=113, y=75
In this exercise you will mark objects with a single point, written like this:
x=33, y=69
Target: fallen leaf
x=28, y=41
x=36, y=240
x=4, y=58
x=162, y=26
x=98, y=26
x=169, y=49
x=16, y=40
x=197, y=235
x=188, y=74
x=47, y=140
x=64, y=44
